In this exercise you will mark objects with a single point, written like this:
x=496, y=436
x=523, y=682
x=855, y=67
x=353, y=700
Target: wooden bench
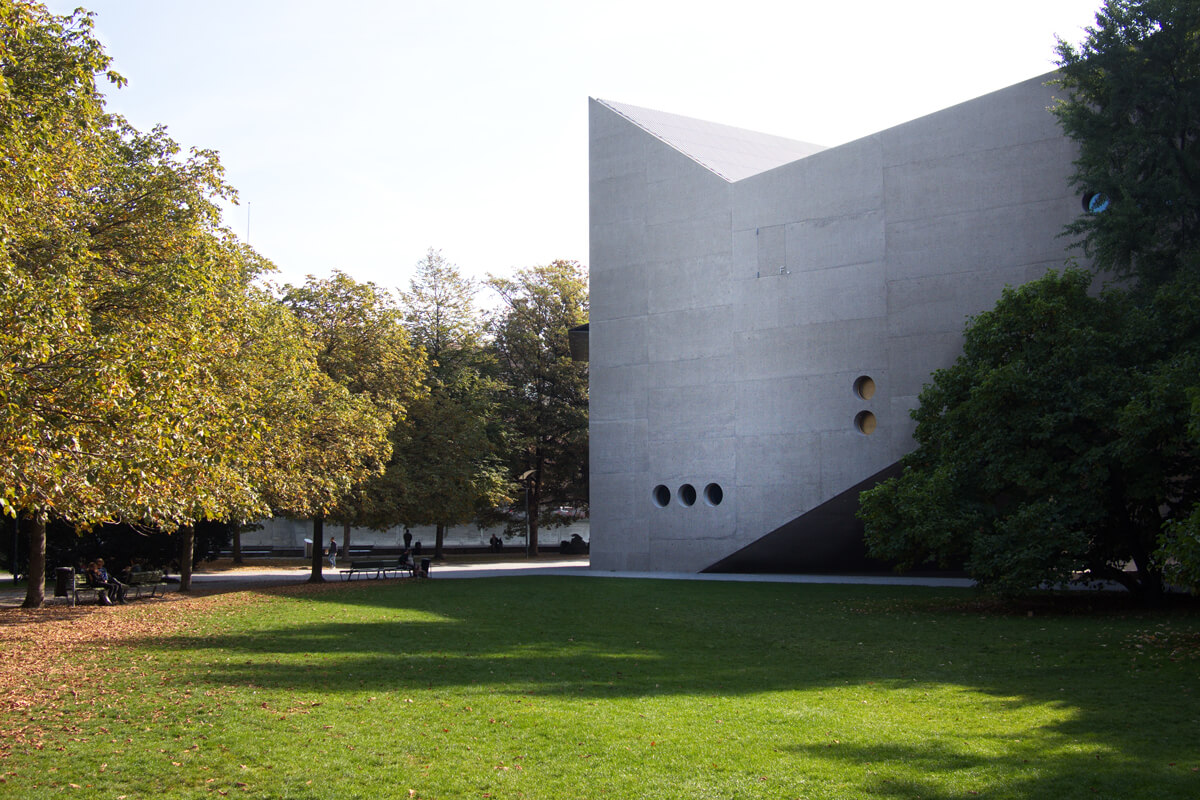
x=376, y=568
x=79, y=586
x=147, y=582
x=256, y=552
x=144, y=583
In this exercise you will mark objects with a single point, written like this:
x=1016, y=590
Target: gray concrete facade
x=744, y=289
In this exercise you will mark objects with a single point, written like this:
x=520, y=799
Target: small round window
x=713, y=495
x=1095, y=202
x=661, y=496
x=687, y=495
x=865, y=422
x=864, y=387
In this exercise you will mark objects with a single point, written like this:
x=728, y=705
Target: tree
x=446, y=463
x=1063, y=443
x=361, y=338
x=362, y=346
x=1134, y=110
x=440, y=316
x=545, y=400
x=113, y=267
x=142, y=375
x=1054, y=447
x=1133, y=107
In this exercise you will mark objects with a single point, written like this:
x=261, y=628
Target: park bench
x=146, y=581
x=76, y=586
x=377, y=568
x=143, y=583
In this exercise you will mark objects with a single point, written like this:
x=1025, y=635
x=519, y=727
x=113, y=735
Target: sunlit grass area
x=583, y=688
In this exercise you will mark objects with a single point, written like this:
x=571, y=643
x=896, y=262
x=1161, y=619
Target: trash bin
x=64, y=581
x=424, y=573
x=308, y=549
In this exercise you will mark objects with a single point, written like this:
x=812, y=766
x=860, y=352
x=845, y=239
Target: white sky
x=362, y=132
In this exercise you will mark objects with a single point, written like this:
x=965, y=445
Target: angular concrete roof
x=732, y=153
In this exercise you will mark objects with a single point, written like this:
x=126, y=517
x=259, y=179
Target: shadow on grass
x=1060, y=774
x=1128, y=694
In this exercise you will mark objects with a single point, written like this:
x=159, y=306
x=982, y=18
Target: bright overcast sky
x=360, y=133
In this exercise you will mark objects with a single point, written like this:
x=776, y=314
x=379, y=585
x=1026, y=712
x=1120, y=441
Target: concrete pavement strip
x=252, y=576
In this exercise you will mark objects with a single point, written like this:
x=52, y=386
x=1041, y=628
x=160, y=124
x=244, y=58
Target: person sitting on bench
x=116, y=589
x=92, y=573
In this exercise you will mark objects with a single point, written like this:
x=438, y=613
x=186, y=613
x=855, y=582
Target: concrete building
x=764, y=313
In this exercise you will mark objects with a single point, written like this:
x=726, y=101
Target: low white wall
x=283, y=532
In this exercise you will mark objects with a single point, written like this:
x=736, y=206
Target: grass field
x=587, y=688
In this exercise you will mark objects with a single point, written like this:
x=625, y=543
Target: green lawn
x=586, y=687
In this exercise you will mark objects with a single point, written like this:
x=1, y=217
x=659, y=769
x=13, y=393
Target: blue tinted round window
x=1095, y=202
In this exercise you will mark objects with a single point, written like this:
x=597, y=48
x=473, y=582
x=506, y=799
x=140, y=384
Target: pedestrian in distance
x=332, y=553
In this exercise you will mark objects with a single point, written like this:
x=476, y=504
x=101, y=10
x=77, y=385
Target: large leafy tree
x=1052, y=449
x=114, y=272
x=446, y=464
x=363, y=347
x=1063, y=443
x=545, y=400
x=1133, y=108
x=141, y=374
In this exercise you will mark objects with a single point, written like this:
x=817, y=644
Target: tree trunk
x=438, y=540
x=237, y=542
x=15, y=555
x=346, y=539
x=35, y=592
x=531, y=516
x=187, y=548
x=318, y=537
x=1150, y=583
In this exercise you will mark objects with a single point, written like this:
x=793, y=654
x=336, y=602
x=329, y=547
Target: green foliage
x=116, y=313
x=363, y=349
x=1055, y=446
x=361, y=338
x=545, y=401
x=1179, y=546
x=440, y=316
x=445, y=462
x=143, y=377
x=1133, y=106
x=50, y=110
x=1058, y=446
x=374, y=375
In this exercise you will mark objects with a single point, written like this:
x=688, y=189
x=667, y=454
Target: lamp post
x=527, y=479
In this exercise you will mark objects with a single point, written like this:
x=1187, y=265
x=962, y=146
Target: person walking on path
x=332, y=553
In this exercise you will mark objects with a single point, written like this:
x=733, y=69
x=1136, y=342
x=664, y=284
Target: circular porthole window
x=661, y=496
x=865, y=422
x=713, y=495
x=1095, y=202
x=864, y=387
x=687, y=495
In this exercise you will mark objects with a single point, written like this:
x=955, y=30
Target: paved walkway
x=216, y=580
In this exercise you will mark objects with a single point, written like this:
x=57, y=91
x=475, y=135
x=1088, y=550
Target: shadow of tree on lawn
x=593, y=639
